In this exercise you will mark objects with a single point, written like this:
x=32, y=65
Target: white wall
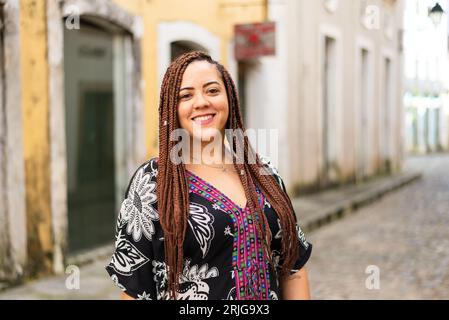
x=308, y=23
x=169, y=32
x=426, y=71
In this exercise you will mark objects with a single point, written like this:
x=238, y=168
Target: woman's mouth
x=204, y=119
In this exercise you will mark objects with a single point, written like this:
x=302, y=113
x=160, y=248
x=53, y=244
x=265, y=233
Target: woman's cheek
x=183, y=116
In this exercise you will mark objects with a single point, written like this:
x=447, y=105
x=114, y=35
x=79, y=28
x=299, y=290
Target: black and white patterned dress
x=223, y=257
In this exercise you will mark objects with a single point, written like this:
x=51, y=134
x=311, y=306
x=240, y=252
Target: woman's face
x=203, y=104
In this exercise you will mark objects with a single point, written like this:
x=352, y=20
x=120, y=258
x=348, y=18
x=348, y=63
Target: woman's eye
x=184, y=96
x=214, y=90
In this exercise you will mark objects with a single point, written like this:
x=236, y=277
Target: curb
x=353, y=203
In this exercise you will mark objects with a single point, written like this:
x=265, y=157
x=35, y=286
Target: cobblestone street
x=405, y=234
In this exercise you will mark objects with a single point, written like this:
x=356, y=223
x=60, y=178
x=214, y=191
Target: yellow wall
x=217, y=16
x=34, y=74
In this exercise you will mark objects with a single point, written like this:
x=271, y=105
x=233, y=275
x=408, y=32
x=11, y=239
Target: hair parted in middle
x=172, y=186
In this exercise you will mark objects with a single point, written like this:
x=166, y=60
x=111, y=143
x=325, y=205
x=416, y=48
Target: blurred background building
x=336, y=86
x=427, y=76
x=80, y=86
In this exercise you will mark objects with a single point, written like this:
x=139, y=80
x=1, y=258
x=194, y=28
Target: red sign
x=254, y=40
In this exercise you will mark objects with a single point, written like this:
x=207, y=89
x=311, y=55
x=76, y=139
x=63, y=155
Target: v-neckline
x=210, y=185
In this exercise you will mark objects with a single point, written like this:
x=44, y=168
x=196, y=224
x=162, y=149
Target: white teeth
x=202, y=118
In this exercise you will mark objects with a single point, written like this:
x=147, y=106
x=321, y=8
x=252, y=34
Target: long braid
x=269, y=187
x=172, y=192
x=247, y=179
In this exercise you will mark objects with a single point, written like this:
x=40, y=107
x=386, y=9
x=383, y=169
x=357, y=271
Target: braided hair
x=172, y=191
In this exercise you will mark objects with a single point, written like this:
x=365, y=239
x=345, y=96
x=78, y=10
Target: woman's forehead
x=200, y=71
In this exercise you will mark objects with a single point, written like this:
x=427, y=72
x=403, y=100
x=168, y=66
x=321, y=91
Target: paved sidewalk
x=318, y=209
x=94, y=284
x=314, y=211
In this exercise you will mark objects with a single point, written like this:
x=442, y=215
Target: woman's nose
x=201, y=101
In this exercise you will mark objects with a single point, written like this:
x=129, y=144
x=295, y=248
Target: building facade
x=80, y=105
x=13, y=241
x=80, y=113
x=333, y=90
x=426, y=78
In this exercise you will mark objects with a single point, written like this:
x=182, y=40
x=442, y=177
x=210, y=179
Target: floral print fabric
x=223, y=255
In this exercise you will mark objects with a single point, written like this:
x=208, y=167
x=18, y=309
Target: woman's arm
x=124, y=296
x=296, y=286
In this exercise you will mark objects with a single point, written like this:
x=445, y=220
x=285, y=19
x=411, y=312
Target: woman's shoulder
x=272, y=169
x=268, y=164
x=145, y=173
x=151, y=166
x=148, y=167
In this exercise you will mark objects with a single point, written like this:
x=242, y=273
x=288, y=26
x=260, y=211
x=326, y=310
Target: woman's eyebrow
x=204, y=85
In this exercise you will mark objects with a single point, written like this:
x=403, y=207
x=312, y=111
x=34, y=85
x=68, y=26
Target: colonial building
x=13, y=240
x=333, y=90
x=79, y=86
x=426, y=77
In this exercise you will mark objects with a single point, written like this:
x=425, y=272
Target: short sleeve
x=136, y=229
x=304, y=247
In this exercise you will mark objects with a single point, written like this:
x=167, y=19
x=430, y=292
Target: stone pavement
x=94, y=284
x=314, y=211
x=402, y=240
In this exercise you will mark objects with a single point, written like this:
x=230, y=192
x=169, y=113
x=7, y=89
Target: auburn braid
x=271, y=189
x=172, y=191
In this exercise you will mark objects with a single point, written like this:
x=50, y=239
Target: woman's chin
x=209, y=135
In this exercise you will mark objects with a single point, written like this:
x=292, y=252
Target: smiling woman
x=200, y=231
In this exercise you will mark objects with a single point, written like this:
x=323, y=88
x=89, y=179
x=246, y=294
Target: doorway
x=89, y=115
x=363, y=121
x=329, y=170
x=178, y=48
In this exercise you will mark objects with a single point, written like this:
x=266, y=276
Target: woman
x=209, y=226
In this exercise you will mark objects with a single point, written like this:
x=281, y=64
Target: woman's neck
x=204, y=152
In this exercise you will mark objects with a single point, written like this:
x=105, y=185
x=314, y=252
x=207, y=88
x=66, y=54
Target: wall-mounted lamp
x=435, y=14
